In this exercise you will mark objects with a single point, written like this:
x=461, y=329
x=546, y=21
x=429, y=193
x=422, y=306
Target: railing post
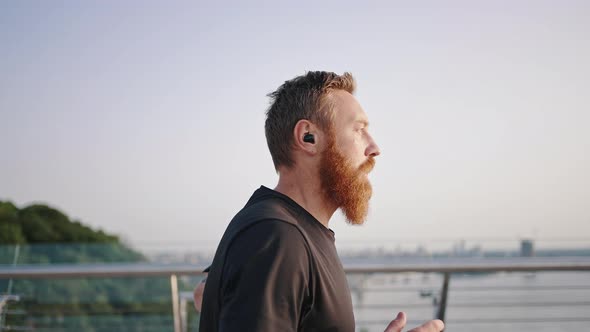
x=175, y=303
x=183, y=314
x=442, y=307
x=9, y=289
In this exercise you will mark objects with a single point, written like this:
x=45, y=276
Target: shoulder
x=268, y=218
x=269, y=242
x=276, y=232
x=268, y=208
x=268, y=251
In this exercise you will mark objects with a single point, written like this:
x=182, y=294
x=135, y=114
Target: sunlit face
x=348, y=158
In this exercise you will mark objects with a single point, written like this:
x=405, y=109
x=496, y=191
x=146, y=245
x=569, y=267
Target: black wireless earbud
x=308, y=138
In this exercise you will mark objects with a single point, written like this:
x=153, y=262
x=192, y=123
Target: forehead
x=347, y=109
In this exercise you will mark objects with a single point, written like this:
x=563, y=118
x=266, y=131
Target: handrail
x=395, y=266
x=105, y=270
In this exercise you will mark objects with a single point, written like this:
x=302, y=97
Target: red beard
x=346, y=186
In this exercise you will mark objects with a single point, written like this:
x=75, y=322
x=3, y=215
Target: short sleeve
x=265, y=279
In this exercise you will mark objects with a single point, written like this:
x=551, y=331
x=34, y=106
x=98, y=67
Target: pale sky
x=145, y=119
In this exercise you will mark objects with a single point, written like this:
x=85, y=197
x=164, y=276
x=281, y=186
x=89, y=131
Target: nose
x=372, y=149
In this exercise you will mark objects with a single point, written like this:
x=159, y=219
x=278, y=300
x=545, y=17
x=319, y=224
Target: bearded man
x=276, y=267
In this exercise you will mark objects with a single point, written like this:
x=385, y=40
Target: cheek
x=359, y=147
x=353, y=148
x=356, y=155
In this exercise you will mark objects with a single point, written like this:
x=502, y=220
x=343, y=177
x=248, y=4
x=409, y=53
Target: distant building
x=527, y=248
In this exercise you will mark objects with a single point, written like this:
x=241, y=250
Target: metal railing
x=172, y=271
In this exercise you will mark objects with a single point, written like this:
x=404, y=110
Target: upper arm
x=265, y=279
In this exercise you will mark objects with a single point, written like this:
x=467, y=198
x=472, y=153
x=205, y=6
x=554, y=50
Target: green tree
x=45, y=235
x=10, y=229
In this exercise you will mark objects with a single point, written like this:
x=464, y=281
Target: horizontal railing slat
x=151, y=269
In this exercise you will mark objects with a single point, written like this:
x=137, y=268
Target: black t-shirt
x=276, y=269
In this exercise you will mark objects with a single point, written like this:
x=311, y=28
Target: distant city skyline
x=146, y=120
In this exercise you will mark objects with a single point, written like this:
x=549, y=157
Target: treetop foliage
x=40, y=223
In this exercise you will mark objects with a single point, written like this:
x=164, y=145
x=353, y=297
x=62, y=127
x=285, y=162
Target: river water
x=540, y=301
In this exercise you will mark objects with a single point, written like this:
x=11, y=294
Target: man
x=276, y=267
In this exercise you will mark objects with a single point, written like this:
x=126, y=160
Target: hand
x=399, y=323
x=198, y=295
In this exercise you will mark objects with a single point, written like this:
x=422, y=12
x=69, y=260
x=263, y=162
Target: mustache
x=368, y=165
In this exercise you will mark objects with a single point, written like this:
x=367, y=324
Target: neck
x=306, y=190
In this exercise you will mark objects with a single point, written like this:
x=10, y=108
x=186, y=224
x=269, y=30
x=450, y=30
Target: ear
x=303, y=127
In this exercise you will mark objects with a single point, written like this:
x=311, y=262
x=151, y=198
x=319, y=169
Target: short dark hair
x=304, y=97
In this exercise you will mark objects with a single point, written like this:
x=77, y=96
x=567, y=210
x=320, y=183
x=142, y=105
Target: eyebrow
x=362, y=121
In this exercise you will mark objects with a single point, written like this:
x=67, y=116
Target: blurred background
x=133, y=132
